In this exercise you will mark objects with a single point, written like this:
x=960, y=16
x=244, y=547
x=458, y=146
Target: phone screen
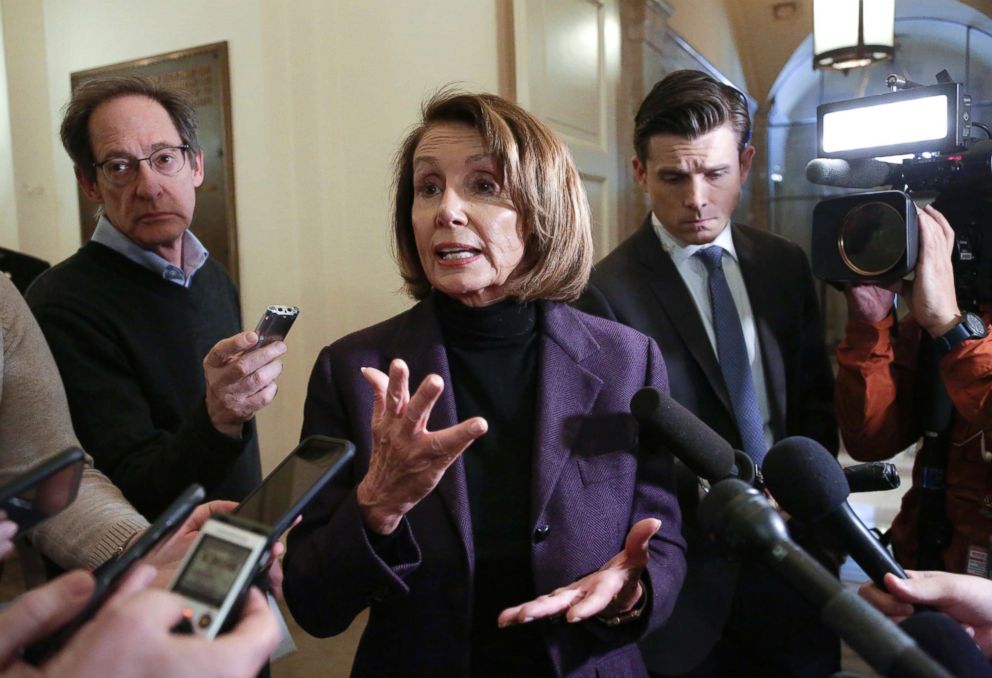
x=212, y=570
x=286, y=491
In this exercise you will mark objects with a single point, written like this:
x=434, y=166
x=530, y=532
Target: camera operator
x=876, y=394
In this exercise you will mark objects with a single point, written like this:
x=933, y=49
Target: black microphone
x=665, y=423
x=875, y=476
x=808, y=483
x=855, y=174
x=944, y=640
x=741, y=519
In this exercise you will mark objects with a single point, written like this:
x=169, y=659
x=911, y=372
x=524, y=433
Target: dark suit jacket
x=589, y=485
x=637, y=284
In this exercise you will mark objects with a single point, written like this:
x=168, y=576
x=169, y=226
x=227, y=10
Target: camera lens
x=872, y=238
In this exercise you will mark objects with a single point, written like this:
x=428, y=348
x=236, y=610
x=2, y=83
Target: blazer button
x=541, y=533
x=379, y=594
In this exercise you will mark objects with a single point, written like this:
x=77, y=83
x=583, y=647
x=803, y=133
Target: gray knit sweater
x=35, y=424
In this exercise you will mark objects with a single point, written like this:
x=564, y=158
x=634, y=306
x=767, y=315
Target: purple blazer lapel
x=566, y=391
x=421, y=345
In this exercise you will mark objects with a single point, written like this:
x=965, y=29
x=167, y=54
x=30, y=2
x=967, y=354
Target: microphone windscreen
x=664, y=421
x=722, y=504
x=804, y=478
x=859, y=174
x=740, y=519
x=946, y=642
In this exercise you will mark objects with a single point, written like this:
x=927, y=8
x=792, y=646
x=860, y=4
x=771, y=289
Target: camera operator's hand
x=931, y=297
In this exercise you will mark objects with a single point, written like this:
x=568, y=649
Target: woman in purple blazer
x=513, y=470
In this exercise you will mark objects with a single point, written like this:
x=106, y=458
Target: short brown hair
x=543, y=183
x=689, y=104
x=75, y=131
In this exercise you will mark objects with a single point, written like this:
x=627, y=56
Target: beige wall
x=707, y=26
x=322, y=91
x=8, y=206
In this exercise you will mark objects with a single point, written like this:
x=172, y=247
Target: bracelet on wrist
x=631, y=614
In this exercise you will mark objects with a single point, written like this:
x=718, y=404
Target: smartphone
x=275, y=323
x=108, y=574
x=172, y=517
x=286, y=491
x=41, y=492
x=218, y=569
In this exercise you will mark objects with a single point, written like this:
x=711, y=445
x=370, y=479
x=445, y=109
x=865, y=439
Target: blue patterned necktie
x=732, y=354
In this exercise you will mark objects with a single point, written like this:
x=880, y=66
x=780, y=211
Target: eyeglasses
x=168, y=161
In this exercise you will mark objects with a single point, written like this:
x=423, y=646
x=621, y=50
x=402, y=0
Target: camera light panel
x=900, y=122
x=931, y=119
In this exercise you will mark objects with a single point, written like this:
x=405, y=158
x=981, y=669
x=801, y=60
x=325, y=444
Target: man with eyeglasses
x=144, y=325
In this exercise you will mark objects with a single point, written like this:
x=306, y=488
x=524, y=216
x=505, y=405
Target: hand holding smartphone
x=108, y=574
x=287, y=490
x=44, y=490
x=233, y=551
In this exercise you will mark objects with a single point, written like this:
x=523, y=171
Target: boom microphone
x=857, y=174
x=809, y=483
x=741, y=518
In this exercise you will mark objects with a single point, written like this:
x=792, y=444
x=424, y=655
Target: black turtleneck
x=493, y=356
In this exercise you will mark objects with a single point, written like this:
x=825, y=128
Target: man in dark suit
x=750, y=305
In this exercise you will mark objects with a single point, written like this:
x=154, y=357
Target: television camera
x=874, y=237
x=917, y=140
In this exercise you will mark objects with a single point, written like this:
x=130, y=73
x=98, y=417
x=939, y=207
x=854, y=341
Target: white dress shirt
x=696, y=278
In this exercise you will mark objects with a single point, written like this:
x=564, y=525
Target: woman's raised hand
x=407, y=461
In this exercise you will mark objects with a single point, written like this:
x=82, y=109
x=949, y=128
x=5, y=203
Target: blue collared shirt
x=194, y=254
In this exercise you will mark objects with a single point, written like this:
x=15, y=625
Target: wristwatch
x=971, y=327
x=629, y=615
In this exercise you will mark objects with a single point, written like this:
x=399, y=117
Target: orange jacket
x=875, y=406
